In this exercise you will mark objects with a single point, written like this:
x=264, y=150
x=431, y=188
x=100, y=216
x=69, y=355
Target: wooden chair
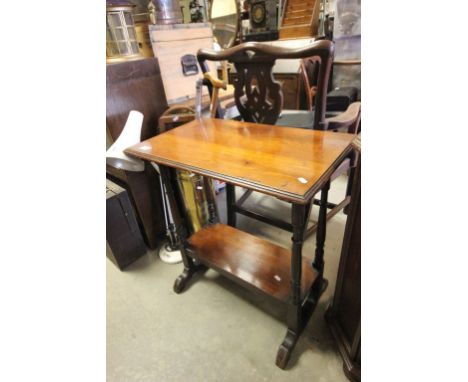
x=258, y=96
x=348, y=121
x=175, y=116
x=344, y=122
x=259, y=99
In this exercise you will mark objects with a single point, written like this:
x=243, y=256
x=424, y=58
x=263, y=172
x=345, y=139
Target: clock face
x=258, y=13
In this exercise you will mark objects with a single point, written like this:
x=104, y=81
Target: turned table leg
x=294, y=315
x=321, y=284
x=231, y=204
x=176, y=206
x=298, y=314
x=321, y=230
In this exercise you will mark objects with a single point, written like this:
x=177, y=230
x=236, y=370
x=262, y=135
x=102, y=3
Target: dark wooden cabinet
x=344, y=314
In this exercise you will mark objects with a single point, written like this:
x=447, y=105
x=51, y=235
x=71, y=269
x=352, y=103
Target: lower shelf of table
x=249, y=260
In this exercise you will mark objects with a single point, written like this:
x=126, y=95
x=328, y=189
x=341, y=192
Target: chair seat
x=303, y=119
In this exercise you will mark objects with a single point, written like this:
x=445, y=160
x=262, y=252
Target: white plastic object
x=168, y=256
x=129, y=136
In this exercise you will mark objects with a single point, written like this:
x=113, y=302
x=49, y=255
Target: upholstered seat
x=303, y=119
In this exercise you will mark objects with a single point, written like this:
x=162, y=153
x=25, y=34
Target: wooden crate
x=170, y=43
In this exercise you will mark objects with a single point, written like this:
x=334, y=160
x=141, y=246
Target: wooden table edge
x=242, y=182
x=327, y=174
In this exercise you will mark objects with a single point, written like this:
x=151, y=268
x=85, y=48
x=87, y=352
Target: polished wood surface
x=250, y=259
x=260, y=97
x=291, y=164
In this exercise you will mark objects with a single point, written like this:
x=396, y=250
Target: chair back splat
x=258, y=96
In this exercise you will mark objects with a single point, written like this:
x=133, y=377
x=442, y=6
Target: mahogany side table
x=290, y=164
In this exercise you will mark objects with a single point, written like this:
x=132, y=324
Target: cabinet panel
x=344, y=314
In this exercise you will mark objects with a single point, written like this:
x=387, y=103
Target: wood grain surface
x=250, y=260
x=288, y=163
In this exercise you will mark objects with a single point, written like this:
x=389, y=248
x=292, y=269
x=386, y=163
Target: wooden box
x=124, y=241
x=170, y=43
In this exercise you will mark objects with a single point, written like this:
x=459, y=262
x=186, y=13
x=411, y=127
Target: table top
x=289, y=163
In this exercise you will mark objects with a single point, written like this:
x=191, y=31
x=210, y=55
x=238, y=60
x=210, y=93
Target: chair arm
x=175, y=114
x=215, y=82
x=349, y=119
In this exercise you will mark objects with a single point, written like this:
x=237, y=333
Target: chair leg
x=299, y=214
x=349, y=187
x=234, y=207
x=244, y=197
x=321, y=230
x=231, y=204
x=310, y=231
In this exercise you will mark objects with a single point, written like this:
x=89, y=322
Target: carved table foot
x=185, y=276
x=285, y=349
